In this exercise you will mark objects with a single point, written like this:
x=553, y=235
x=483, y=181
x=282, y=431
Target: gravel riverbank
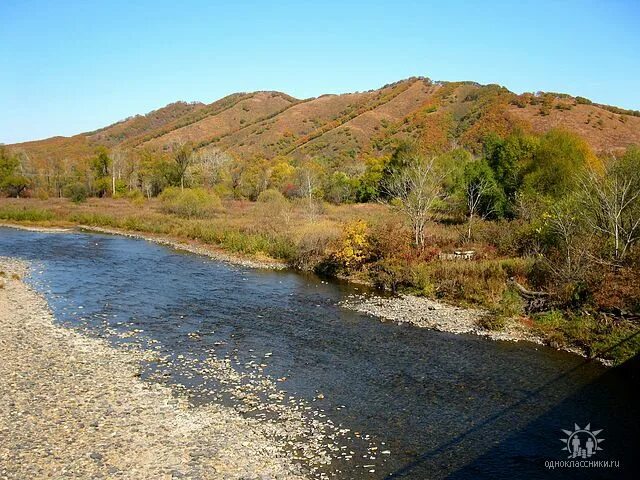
x=191, y=246
x=426, y=313
x=73, y=407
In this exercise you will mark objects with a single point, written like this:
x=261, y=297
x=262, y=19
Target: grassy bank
x=364, y=242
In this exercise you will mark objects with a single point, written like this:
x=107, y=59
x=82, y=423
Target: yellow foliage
x=354, y=246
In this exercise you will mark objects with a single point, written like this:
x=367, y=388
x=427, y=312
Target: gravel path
x=74, y=407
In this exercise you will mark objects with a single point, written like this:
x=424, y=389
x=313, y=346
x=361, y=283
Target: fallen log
x=524, y=292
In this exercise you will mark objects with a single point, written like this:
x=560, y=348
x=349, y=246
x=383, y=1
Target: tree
x=403, y=156
x=282, y=174
x=339, y=188
x=12, y=182
x=480, y=193
x=156, y=172
x=416, y=189
x=100, y=166
x=555, y=167
x=368, y=186
x=118, y=162
x=611, y=202
x=507, y=158
x=566, y=225
x=183, y=158
x=208, y=166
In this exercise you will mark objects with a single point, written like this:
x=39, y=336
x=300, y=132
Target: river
x=438, y=405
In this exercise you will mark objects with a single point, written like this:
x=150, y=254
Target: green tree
x=183, y=158
x=507, y=158
x=480, y=194
x=101, y=166
x=368, y=186
x=339, y=188
x=12, y=182
x=556, y=165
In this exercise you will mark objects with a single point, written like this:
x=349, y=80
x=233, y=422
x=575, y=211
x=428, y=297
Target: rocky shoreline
x=419, y=311
x=191, y=247
x=425, y=313
x=73, y=407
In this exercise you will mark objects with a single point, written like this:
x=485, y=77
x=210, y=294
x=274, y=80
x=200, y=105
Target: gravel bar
x=72, y=406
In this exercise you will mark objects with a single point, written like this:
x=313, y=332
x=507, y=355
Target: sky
x=73, y=66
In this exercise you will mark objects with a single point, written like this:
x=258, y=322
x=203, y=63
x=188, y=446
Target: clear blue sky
x=73, y=66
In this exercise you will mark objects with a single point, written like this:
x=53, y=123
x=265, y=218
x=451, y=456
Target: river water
x=438, y=405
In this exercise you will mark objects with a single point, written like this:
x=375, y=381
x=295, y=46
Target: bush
x=391, y=274
x=422, y=281
x=271, y=196
x=354, y=247
x=25, y=214
x=76, y=192
x=492, y=322
x=312, y=245
x=190, y=202
x=511, y=304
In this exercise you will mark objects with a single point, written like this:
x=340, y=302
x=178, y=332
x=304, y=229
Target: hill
x=268, y=124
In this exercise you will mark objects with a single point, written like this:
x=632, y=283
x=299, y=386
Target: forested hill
x=351, y=126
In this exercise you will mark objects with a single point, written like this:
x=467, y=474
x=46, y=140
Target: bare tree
x=611, y=202
x=476, y=191
x=417, y=189
x=208, y=166
x=309, y=175
x=118, y=162
x=567, y=225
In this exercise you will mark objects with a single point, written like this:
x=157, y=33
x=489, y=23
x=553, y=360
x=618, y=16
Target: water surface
x=443, y=405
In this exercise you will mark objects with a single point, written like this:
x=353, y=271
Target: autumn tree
x=208, y=167
x=480, y=194
x=12, y=181
x=611, y=202
x=100, y=167
x=183, y=157
x=555, y=167
x=416, y=190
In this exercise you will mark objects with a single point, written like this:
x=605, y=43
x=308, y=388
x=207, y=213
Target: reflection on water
x=437, y=404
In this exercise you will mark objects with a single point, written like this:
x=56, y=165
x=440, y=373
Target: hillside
x=437, y=114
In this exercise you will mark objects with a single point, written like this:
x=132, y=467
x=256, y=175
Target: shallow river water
x=438, y=405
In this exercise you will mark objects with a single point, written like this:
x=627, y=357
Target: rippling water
x=443, y=405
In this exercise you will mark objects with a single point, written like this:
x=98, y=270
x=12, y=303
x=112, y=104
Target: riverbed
x=370, y=399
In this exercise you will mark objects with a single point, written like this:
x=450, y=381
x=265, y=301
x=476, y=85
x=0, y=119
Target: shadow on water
x=613, y=406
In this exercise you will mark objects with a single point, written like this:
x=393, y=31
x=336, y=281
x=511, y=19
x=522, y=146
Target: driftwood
x=534, y=301
x=524, y=292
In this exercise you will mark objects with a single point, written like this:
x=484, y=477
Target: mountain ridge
x=437, y=114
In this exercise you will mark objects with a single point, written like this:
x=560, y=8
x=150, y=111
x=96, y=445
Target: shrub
x=26, y=214
x=492, y=322
x=391, y=274
x=422, y=280
x=354, y=247
x=76, y=192
x=312, y=245
x=190, y=202
x=509, y=306
x=271, y=196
